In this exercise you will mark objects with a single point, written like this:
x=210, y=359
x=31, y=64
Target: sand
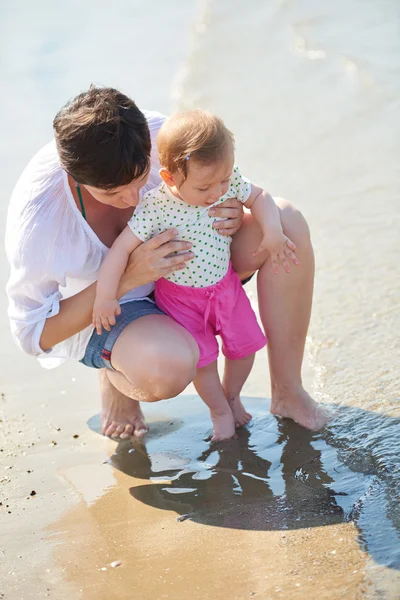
x=74, y=502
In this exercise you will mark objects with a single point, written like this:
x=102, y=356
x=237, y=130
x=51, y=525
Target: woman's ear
x=167, y=176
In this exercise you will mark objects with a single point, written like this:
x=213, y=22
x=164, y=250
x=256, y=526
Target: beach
x=312, y=93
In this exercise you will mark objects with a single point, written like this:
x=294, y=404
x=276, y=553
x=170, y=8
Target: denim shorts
x=247, y=279
x=99, y=348
x=98, y=351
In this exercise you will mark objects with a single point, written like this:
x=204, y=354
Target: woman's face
x=124, y=196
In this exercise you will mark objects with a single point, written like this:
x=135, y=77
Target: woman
x=70, y=204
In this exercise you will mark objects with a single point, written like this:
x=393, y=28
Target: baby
x=206, y=297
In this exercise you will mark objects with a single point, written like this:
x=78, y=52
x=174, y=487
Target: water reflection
x=275, y=476
x=271, y=477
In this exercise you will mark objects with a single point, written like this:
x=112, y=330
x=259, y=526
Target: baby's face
x=204, y=184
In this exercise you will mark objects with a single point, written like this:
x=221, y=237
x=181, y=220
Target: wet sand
x=258, y=517
x=90, y=510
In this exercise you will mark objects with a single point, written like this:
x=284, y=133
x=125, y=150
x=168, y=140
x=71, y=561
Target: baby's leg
x=235, y=374
x=208, y=386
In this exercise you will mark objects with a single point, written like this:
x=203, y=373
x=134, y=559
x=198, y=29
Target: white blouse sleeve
x=30, y=304
x=33, y=287
x=35, y=229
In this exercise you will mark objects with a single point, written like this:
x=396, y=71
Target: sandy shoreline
x=99, y=501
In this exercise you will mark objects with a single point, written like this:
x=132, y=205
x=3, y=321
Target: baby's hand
x=104, y=313
x=281, y=249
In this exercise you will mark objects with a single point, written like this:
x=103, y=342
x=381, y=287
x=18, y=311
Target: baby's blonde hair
x=193, y=135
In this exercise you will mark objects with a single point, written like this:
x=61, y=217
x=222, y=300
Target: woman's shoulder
x=46, y=157
x=42, y=173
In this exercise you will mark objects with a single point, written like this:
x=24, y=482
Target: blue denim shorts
x=98, y=351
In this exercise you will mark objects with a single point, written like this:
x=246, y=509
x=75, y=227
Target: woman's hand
x=154, y=259
x=231, y=211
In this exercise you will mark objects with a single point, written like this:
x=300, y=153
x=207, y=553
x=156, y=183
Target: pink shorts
x=222, y=309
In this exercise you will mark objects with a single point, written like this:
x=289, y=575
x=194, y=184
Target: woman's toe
x=119, y=429
x=110, y=428
x=141, y=430
x=127, y=432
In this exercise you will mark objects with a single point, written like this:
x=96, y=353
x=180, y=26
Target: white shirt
x=53, y=252
x=159, y=210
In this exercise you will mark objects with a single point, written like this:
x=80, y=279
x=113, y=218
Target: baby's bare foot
x=240, y=414
x=224, y=426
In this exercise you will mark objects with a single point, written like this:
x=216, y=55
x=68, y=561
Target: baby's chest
x=198, y=228
x=211, y=250
x=211, y=256
x=181, y=216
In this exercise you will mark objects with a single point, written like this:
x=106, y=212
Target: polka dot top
x=159, y=210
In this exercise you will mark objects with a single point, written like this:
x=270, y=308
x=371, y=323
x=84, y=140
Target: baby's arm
x=106, y=305
x=265, y=211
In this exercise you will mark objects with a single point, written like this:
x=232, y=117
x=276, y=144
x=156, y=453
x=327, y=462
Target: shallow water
x=275, y=476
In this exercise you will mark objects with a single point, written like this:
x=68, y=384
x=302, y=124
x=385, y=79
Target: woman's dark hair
x=102, y=138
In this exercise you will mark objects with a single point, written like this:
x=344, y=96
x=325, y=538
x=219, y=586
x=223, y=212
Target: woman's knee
x=165, y=373
x=157, y=356
x=294, y=223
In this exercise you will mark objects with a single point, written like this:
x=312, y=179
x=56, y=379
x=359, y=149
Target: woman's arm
x=74, y=315
x=150, y=261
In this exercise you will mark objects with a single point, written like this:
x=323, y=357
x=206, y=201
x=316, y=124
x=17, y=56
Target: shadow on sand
x=275, y=476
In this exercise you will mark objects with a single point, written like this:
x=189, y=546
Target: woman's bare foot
x=123, y=419
x=240, y=414
x=120, y=416
x=298, y=405
x=224, y=425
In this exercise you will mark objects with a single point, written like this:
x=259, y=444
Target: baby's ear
x=166, y=176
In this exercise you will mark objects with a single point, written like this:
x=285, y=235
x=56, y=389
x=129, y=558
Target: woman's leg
x=285, y=306
x=121, y=416
x=154, y=358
